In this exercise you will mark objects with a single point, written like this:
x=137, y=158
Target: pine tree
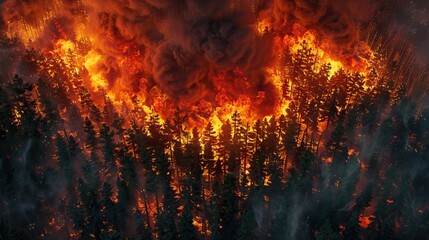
x=229, y=210
x=337, y=144
x=25, y=106
x=76, y=213
x=64, y=159
x=143, y=230
x=108, y=145
x=92, y=220
x=90, y=172
x=73, y=146
x=209, y=142
x=196, y=171
x=85, y=98
x=91, y=135
x=257, y=172
x=291, y=133
x=274, y=168
x=236, y=123
x=96, y=114
x=186, y=229
x=124, y=200
x=51, y=116
x=224, y=143
x=215, y=220
x=179, y=119
x=108, y=207
x=209, y=137
x=108, y=110
x=128, y=170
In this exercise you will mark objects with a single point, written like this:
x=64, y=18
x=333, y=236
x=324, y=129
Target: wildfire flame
x=89, y=65
x=147, y=60
x=365, y=221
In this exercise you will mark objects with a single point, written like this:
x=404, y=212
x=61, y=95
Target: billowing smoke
x=341, y=21
x=180, y=47
x=336, y=20
x=184, y=43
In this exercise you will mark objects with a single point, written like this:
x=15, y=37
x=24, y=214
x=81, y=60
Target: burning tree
x=220, y=120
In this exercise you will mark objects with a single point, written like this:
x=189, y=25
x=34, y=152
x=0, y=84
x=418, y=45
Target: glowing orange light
x=365, y=221
x=327, y=160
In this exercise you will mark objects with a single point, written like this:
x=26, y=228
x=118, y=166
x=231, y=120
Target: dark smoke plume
x=182, y=45
x=337, y=20
x=342, y=21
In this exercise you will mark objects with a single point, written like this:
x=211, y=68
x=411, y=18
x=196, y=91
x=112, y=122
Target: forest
x=348, y=159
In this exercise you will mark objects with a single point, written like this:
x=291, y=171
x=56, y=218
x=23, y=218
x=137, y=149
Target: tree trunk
x=146, y=208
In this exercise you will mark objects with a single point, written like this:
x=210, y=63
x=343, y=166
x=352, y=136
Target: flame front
x=111, y=63
x=294, y=106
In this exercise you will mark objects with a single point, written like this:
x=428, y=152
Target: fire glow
x=175, y=111
x=87, y=62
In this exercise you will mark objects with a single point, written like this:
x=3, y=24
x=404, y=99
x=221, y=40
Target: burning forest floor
x=308, y=143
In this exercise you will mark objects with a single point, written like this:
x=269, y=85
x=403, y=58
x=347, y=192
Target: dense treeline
x=347, y=160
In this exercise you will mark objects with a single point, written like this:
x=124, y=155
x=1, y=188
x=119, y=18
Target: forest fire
x=85, y=55
x=227, y=119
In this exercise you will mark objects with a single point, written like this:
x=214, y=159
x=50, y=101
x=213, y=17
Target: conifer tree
x=91, y=135
x=229, y=210
x=108, y=145
x=186, y=229
x=64, y=159
x=224, y=142
x=108, y=207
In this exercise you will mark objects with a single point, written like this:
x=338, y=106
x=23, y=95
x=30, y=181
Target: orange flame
x=365, y=221
x=90, y=66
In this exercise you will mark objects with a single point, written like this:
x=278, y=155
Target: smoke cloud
x=336, y=20
x=179, y=47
